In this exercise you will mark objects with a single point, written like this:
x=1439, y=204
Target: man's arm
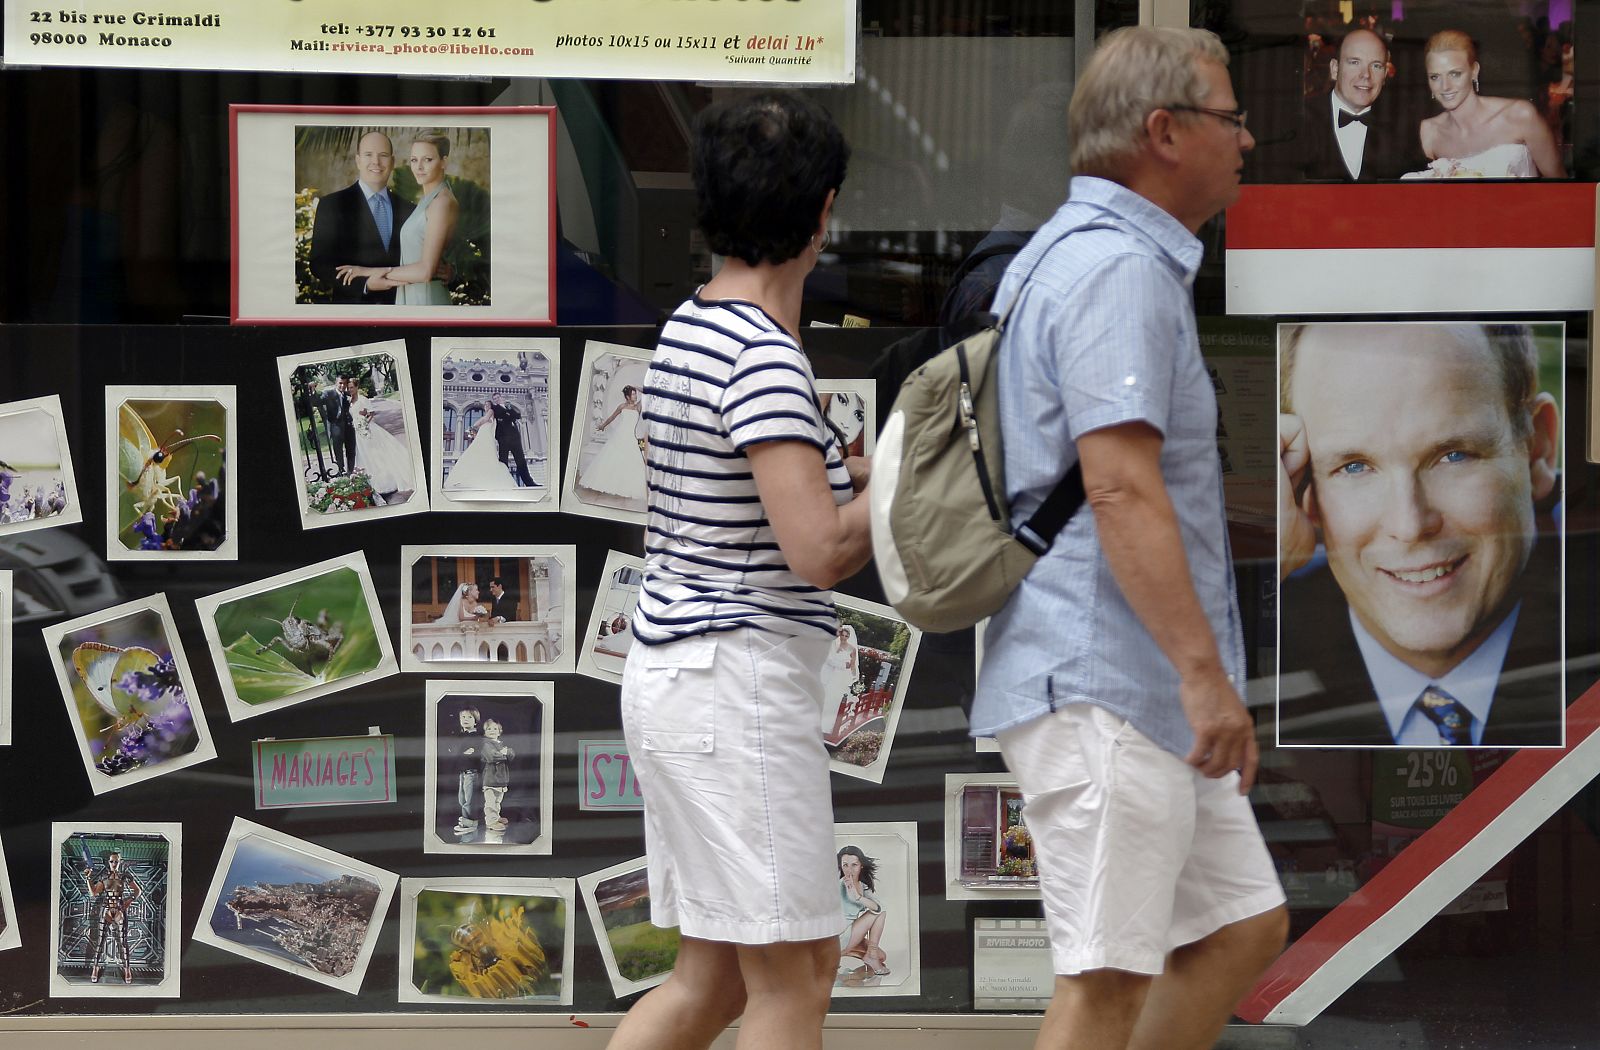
x=1139, y=533
x=327, y=236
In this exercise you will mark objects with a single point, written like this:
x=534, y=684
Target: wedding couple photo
x=385, y=215
x=498, y=444
x=355, y=447
x=1426, y=90
x=390, y=215
x=488, y=608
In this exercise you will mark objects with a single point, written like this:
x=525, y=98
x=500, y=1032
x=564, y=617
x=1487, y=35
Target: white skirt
x=738, y=808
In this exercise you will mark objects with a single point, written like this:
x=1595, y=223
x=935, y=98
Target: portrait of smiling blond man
x=1419, y=558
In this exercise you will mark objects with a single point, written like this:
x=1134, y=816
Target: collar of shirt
x=369, y=192
x=1472, y=681
x=1182, y=249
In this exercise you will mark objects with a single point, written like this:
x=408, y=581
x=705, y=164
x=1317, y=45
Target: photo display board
x=502, y=854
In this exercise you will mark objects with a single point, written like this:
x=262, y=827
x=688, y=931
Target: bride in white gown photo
x=1479, y=136
x=618, y=469
x=384, y=457
x=465, y=606
x=480, y=465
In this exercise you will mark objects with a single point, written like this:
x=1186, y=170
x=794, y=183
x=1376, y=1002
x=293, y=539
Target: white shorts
x=738, y=807
x=1138, y=852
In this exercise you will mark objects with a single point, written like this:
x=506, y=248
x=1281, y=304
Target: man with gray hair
x=1111, y=677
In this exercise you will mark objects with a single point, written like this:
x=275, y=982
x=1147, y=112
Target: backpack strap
x=1046, y=523
x=1004, y=313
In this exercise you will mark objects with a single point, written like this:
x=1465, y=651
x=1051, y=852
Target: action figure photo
x=113, y=892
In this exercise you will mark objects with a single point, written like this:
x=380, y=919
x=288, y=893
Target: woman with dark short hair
x=754, y=514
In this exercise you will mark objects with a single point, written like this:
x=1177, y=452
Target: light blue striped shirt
x=1104, y=334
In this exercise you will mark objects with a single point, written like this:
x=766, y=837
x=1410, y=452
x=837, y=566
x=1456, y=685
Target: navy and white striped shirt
x=725, y=376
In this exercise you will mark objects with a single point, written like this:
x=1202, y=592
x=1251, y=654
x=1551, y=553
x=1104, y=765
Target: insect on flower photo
x=302, y=634
x=488, y=946
x=127, y=693
x=36, y=481
x=171, y=464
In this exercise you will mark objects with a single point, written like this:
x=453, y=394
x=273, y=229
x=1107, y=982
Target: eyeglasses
x=1236, y=117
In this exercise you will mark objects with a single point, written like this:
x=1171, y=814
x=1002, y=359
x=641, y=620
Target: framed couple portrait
x=393, y=215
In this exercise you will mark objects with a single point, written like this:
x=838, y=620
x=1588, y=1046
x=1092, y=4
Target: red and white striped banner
x=1432, y=871
x=1521, y=247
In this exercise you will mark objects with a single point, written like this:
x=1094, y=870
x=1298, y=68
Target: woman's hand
x=860, y=470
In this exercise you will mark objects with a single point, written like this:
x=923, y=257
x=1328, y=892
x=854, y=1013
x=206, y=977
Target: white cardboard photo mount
x=561, y=636
x=227, y=398
x=54, y=635
x=243, y=831
x=540, y=692
x=562, y=890
x=207, y=606
x=54, y=443
x=548, y=498
x=110, y=985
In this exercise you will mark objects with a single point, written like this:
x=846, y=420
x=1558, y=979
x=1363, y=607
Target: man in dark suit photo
x=334, y=404
x=360, y=224
x=1420, y=602
x=502, y=606
x=508, y=439
x=1348, y=134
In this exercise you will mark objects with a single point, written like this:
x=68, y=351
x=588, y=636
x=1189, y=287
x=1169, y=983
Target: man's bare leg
x=1095, y=1010
x=1193, y=998
x=703, y=996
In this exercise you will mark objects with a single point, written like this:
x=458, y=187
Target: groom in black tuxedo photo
x=1349, y=135
x=360, y=224
x=334, y=404
x=502, y=606
x=507, y=438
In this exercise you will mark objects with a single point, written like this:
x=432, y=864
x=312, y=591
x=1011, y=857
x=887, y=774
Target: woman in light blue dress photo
x=425, y=234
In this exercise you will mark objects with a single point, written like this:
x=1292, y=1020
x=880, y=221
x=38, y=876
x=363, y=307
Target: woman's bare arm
x=822, y=541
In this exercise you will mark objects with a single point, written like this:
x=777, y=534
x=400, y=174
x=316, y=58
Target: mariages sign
x=326, y=771
x=778, y=41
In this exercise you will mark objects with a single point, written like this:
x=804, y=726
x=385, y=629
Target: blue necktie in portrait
x=380, y=212
x=1453, y=721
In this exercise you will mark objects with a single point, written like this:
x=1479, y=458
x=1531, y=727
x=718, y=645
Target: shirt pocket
x=678, y=687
